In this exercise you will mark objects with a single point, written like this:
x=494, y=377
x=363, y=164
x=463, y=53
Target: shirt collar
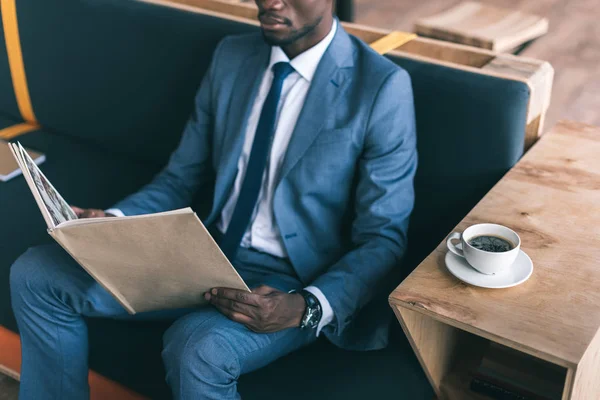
x=307, y=62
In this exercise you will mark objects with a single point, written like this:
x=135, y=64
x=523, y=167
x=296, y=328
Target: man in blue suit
x=307, y=137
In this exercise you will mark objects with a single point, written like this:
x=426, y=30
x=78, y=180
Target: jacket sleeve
x=384, y=199
x=189, y=167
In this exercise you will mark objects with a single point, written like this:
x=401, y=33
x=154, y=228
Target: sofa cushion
x=323, y=371
x=121, y=74
x=320, y=371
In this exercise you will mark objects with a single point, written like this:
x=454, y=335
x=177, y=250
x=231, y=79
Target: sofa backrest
x=118, y=73
x=8, y=101
x=122, y=74
x=469, y=134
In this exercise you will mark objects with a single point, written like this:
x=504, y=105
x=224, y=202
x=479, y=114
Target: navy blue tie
x=255, y=169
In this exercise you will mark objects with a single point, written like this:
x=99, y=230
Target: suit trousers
x=204, y=352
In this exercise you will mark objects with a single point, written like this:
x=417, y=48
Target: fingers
x=236, y=295
x=87, y=213
x=78, y=211
x=250, y=309
x=233, y=306
x=92, y=213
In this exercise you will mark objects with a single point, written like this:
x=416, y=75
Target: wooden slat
x=392, y=41
x=10, y=22
x=431, y=341
x=586, y=384
x=13, y=131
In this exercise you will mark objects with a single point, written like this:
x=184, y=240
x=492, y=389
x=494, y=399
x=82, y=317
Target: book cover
x=146, y=262
x=521, y=373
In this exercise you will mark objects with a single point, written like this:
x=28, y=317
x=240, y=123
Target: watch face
x=313, y=312
x=312, y=318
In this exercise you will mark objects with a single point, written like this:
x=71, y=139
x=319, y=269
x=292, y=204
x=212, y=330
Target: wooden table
x=552, y=199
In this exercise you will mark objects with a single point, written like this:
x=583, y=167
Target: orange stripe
x=392, y=41
x=100, y=387
x=16, y=130
x=10, y=351
x=8, y=8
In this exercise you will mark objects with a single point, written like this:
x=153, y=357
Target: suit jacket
x=345, y=192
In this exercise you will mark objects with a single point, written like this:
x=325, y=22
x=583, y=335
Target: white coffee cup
x=486, y=262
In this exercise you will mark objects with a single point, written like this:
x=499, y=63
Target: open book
x=147, y=262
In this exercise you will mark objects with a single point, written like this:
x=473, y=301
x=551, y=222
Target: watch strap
x=314, y=311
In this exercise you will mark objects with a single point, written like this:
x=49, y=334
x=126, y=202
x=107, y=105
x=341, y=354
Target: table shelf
x=449, y=355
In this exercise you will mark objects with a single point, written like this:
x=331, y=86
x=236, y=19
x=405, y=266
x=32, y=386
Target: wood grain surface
x=550, y=198
x=483, y=25
x=572, y=45
x=424, y=333
x=586, y=383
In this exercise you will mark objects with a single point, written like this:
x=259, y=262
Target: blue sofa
x=112, y=83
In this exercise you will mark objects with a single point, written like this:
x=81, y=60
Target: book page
x=17, y=155
x=49, y=200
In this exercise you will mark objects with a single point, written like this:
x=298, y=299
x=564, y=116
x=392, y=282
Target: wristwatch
x=314, y=312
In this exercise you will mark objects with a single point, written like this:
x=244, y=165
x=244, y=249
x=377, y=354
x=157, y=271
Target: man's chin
x=274, y=39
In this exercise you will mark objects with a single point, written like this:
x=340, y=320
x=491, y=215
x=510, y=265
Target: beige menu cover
x=9, y=167
x=150, y=262
x=147, y=262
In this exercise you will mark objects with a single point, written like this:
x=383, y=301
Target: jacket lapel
x=326, y=89
x=245, y=90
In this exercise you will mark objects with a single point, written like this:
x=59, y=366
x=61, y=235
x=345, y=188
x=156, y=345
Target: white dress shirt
x=262, y=233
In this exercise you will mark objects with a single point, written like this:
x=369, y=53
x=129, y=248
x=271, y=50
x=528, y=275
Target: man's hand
x=89, y=213
x=264, y=310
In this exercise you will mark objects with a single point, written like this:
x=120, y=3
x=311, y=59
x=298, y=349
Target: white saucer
x=516, y=274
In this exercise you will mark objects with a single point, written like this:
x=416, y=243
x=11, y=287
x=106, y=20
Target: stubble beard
x=293, y=36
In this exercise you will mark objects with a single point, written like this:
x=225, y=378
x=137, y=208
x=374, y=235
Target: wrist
x=312, y=310
x=299, y=309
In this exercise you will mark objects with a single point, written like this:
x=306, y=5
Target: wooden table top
x=551, y=198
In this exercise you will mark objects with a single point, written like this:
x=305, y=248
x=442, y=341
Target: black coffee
x=490, y=243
